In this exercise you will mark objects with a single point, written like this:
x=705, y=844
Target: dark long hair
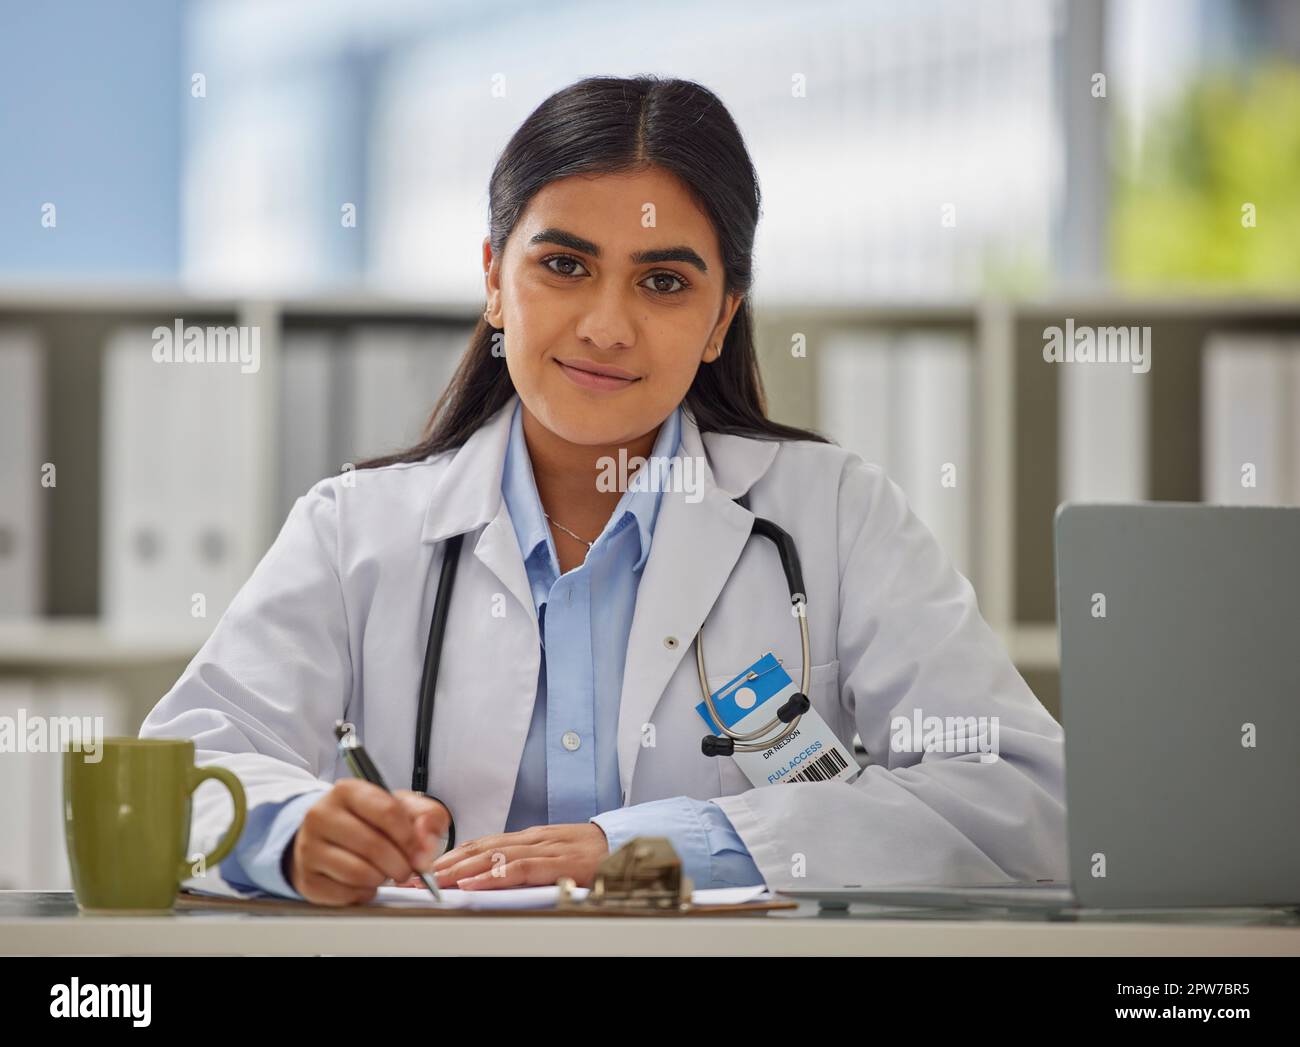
x=607, y=125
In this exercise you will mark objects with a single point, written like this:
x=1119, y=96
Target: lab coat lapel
x=695, y=547
x=469, y=495
x=503, y=684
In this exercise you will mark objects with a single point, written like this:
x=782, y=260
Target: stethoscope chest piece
x=786, y=720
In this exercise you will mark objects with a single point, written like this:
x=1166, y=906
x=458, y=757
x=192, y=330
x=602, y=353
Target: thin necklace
x=567, y=531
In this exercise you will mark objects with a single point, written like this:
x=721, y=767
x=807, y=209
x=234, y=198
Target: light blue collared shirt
x=569, y=768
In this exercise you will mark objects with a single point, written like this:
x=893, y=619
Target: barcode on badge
x=822, y=769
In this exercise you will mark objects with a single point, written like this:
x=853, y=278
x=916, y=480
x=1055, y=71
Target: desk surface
x=48, y=923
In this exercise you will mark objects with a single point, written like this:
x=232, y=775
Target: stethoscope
x=787, y=717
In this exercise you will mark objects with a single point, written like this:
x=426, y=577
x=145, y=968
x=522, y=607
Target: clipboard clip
x=645, y=874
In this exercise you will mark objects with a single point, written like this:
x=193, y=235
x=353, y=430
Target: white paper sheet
x=535, y=897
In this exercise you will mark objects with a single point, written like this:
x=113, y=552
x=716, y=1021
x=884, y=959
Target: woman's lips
x=602, y=382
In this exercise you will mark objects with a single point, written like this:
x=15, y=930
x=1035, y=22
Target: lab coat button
x=670, y=642
x=571, y=740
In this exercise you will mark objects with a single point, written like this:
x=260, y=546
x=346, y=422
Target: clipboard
x=642, y=878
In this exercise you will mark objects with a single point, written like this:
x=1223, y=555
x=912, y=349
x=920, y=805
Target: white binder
x=22, y=434
x=1105, y=412
x=1247, y=385
x=933, y=424
x=391, y=379
x=142, y=459
x=903, y=402
x=19, y=774
x=223, y=458
x=855, y=385
x=308, y=445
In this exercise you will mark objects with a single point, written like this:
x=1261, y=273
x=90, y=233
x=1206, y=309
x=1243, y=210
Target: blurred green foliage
x=1177, y=207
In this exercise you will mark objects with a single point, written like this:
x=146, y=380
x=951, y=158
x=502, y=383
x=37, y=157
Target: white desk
x=47, y=923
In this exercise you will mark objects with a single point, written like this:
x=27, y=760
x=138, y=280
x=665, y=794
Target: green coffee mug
x=126, y=817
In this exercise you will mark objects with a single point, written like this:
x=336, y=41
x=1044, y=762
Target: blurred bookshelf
x=1004, y=412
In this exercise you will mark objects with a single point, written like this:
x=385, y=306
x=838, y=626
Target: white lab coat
x=332, y=625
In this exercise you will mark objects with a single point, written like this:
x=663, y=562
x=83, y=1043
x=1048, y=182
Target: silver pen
x=364, y=767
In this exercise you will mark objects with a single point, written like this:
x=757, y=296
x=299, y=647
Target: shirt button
x=571, y=740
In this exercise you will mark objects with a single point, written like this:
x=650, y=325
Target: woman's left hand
x=529, y=858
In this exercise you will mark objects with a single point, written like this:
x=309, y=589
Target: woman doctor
x=617, y=265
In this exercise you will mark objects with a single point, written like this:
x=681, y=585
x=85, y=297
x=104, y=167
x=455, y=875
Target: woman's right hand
x=357, y=836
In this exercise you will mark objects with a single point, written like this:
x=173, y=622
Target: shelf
x=113, y=300
x=109, y=299
x=86, y=642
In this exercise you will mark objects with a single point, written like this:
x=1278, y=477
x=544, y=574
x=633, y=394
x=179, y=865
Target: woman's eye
x=564, y=260
x=669, y=289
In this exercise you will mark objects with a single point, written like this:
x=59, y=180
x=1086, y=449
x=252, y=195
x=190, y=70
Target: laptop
x=1180, y=694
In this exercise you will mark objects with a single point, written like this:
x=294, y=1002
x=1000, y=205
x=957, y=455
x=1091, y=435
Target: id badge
x=811, y=753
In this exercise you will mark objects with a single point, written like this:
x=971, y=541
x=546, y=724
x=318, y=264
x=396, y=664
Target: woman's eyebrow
x=661, y=254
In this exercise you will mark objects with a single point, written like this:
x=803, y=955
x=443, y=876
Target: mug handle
x=228, y=841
